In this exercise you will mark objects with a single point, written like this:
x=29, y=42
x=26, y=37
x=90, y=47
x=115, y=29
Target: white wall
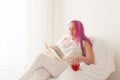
x=40, y=25
x=24, y=26
x=58, y=20
x=100, y=18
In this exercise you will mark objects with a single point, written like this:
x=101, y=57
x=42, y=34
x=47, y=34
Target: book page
x=52, y=52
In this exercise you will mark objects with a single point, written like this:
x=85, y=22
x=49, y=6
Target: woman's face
x=72, y=29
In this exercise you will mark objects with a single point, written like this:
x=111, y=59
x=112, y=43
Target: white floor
x=8, y=74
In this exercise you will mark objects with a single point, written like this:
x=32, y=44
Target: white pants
x=44, y=67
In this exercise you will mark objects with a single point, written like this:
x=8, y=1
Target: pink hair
x=80, y=35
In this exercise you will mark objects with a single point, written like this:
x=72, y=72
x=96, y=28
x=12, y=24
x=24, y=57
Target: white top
x=69, y=48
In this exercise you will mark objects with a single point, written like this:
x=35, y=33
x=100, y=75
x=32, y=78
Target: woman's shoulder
x=86, y=43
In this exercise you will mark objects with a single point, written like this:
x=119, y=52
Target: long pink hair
x=80, y=35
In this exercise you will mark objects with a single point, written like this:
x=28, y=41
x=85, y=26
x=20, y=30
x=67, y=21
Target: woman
x=77, y=33
x=78, y=45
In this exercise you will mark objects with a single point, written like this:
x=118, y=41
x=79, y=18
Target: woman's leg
x=54, y=67
x=41, y=74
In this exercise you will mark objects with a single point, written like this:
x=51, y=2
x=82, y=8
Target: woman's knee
x=41, y=74
x=41, y=56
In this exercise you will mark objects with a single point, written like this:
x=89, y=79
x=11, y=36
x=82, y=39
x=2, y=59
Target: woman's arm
x=88, y=59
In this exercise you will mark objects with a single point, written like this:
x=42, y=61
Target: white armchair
x=101, y=70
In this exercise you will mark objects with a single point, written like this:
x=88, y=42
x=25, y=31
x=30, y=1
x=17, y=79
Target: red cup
x=75, y=67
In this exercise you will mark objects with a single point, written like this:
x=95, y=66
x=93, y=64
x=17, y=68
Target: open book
x=54, y=52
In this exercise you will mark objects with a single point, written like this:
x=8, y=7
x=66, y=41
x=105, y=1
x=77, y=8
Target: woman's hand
x=76, y=59
x=75, y=63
